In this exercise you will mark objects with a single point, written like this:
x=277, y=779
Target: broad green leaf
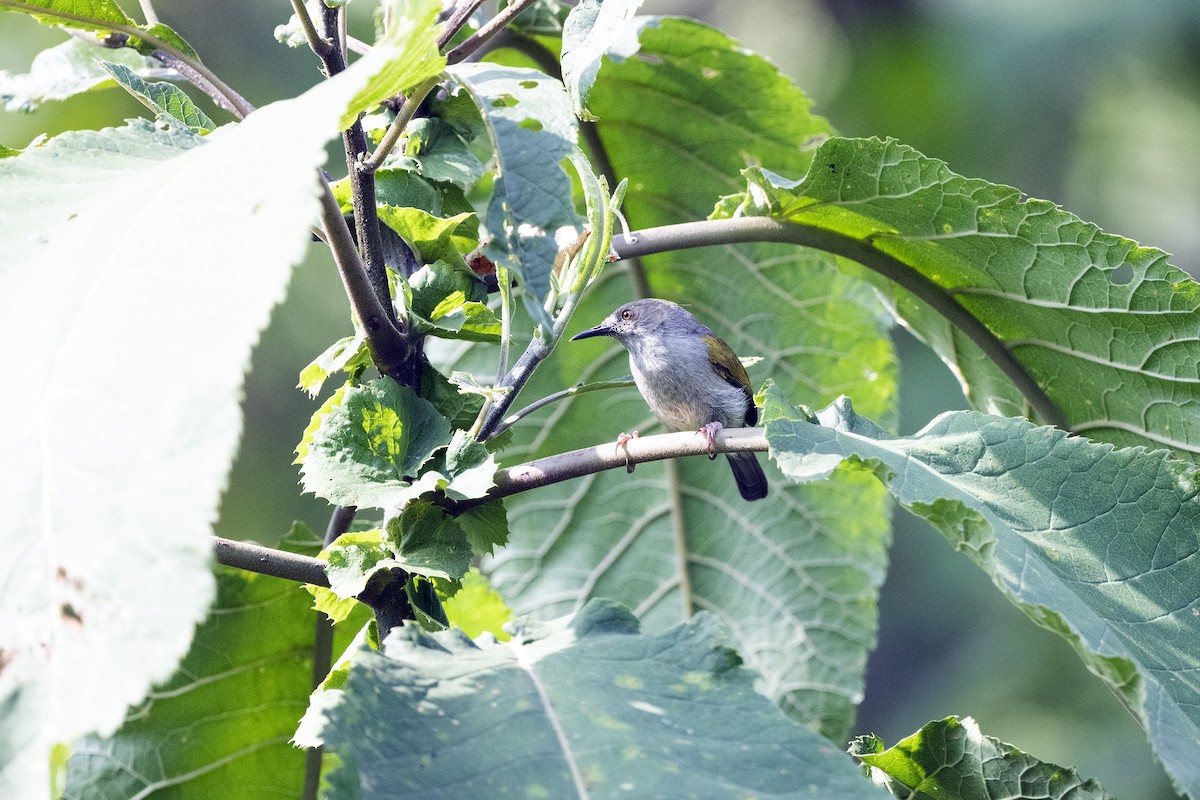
x=952, y=760
x=461, y=409
x=1097, y=544
x=372, y=445
x=101, y=17
x=67, y=69
x=314, y=423
x=1107, y=328
x=592, y=28
x=581, y=707
x=219, y=727
x=415, y=32
x=133, y=393
x=164, y=99
x=531, y=213
x=447, y=300
x=395, y=187
x=486, y=527
x=796, y=575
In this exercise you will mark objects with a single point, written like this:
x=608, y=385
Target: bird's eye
x=626, y=314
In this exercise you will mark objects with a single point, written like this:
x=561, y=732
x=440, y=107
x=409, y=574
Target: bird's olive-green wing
x=726, y=364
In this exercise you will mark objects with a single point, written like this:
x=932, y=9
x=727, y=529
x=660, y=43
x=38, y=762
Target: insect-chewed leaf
x=529, y=120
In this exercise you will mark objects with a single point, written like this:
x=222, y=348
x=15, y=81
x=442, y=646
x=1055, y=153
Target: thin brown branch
x=589, y=460
x=269, y=561
x=493, y=26
x=463, y=9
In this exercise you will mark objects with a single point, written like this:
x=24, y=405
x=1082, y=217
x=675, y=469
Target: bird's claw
x=710, y=432
x=622, y=440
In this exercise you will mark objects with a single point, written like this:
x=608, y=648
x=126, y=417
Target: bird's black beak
x=599, y=330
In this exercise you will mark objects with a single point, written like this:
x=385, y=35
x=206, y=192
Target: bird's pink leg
x=710, y=432
x=622, y=440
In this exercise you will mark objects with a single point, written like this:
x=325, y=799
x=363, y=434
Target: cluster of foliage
x=668, y=638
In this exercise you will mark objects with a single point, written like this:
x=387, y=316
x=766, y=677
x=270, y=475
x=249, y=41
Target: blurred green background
x=1093, y=105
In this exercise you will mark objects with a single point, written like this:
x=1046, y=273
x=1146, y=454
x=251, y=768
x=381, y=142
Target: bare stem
x=393, y=349
x=489, y=29
x=268, y=561
x=463, y=10
x=148, y=12
x=316, y=43
x=577, y=463
x=389, y=349
x=403, y=117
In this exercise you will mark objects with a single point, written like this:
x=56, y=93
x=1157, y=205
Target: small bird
x=689, y=376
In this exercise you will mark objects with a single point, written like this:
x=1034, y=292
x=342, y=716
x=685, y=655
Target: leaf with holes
x=581, y=707
x=532, y=129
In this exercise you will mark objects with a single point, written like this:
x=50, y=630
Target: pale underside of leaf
x=1096, y=543
x=135, y=339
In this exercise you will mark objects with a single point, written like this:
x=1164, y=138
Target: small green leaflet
x=164, y=99
x=441, y=153
x=952, y=760
x=372, y=445
x=348, y=354
x=432, y=237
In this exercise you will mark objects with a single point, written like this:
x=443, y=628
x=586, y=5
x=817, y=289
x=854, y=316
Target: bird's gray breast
x=684, y=392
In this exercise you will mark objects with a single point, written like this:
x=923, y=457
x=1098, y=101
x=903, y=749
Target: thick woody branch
x=389, y=349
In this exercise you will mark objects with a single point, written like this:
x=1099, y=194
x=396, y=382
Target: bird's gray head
x=657, y=318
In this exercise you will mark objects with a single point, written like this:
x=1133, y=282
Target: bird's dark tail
x=751, y=481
